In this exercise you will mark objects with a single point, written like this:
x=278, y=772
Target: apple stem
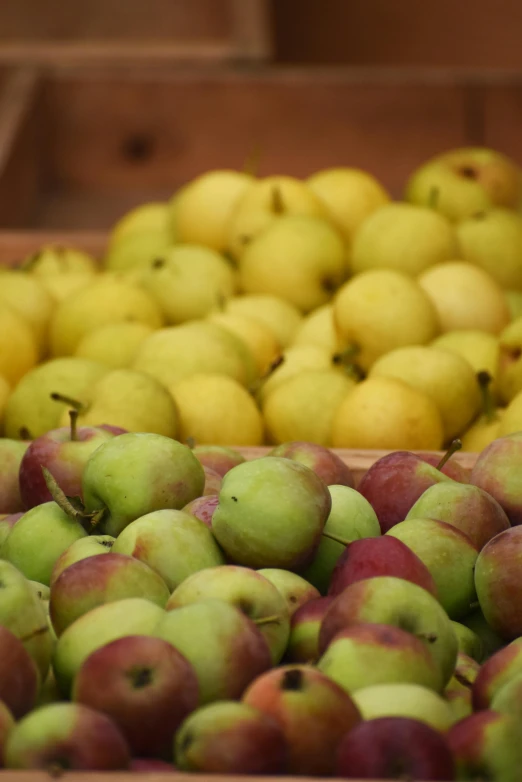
x=336, y=538
x=73, y=415
x=256, y=386
x=345, y=358
x=68, y=400
x=191, y=442
x=455, y=446
x=59, y=496
x=252, y=160
x=429, y=637
x=265, y=620
x=278, y=205
x=484, y=380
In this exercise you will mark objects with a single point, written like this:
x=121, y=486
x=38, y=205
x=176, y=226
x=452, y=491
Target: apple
x=81, y=549
x=250, y=591
x=212, y=482
x=294, y=588
x=469, y=642
x=220, y=458
x=173, y=477
x=11, y=454
x=495, y=472
x=64, y=452
x=366, y=654
x=99, y=626
x=64, y=737
x=303, y=644
x=203, y=508
x=144, y=685
x=7, y=724
x=476, y=622
x=351, y=518
x=395, y=482
x=502, y=667
x=468, y=508
x=23, y=613
x=458, y=691
x=7, y=523
x=172, y=542
x=328, y=466
x=394, y=748
x=449, y=555
x=313, y=711
x=487, y=745
x=404, y=699
x=39, y=538
x=226, y=648
x=230, y=738
x=97, y=580
x=19, y=676
x=395, y=601
x=380, y=556
x=498, y=584
x=271, y=513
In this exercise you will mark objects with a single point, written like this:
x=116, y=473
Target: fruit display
x=184, y=608
x=253, y=310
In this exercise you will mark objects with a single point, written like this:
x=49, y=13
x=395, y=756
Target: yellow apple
x=465, y=297
x=296, y=359
x=5, y=390
x=382, y=309
x=18, y=349
x=303, y=406
x=493, y=241
x=25, y=294
x=115, y=344
x=404, y=237
x=217, y=410
x=510, y=376
x=514, y=302
x=201, y=211
x=350, y=195
x=147, y=218
x=283, y=318
x=259, y=338
x=318, y=328
x=386, y=413
x=135, y=250
x=480, y=349
x=54, y=259
x=301, y=259
x=511, y=418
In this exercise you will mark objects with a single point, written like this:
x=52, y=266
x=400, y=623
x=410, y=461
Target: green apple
x=404, y=237
x=351, y=518
x=225, y=648
x=248, y=590
x=172, y=542
x=137, y=473
x=469, y=642
x=105, y=623
x=151, y=218
x=405, y=700
x=464, y=181
x=271, y=513
x=39, y=538
x=487, y=745
x=135, y=251
x=450, y=557
x=493, y=240
x=294, y=588
x=80, y=549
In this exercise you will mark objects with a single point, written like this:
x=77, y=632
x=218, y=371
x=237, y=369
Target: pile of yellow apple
x=255, y=310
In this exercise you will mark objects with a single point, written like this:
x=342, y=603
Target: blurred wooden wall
x=448, y=33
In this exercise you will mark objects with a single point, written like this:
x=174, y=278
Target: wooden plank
x=251, y=30
x=503, y=116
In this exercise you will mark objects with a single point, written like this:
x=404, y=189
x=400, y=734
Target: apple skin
x=213, y=482
x=7, y=723
x=81, y=549
x=148, y=472
x=449, y=555
x=295, y=589
x=23, y=613
x=351, y=518
x=66, y=736
x=171, y=542
x=303, y=644
x=11, y=455
x=394, y=748
x=487, y=745
x=7, y=523
x=469, y=642
x=19, y=676
x=144, y=685
x=97, y=580
x=458, y=691
x=491, y=641
x=466, y=507
x=500, y=668
x=220, y=458
x=366, y=654
x=203, y=508
x=249, y=591
x=324, y=462
x=452, y=468
x=64, y=458
x=271, y=513
x=498, y=584
x=100, y=626
x=403, y=699
x=496, y=473
x=313, y=711
x=394, y=601
x=225, y=648
x=230, y=738
x=395, y=482
x=386, y=556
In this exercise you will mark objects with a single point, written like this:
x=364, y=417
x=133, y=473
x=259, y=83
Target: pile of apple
x=165, y=608
x=252, y=310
